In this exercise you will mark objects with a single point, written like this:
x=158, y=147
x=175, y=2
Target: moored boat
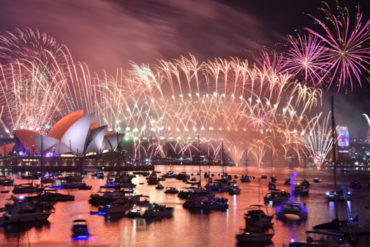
x=258, y=227
x=292, y=211
x=27, y=189
x=22, y=211
x=206, y=202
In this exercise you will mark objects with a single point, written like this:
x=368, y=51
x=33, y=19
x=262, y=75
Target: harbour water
x=189, y=229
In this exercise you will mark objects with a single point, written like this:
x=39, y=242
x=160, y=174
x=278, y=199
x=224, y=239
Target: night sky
x=109, y=34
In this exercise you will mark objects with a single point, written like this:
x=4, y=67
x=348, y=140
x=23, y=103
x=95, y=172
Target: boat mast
x=200, y=170
x=333, y=135
x=222, y=158
x=42, y=153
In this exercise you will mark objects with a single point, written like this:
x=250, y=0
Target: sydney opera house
x=76, y=134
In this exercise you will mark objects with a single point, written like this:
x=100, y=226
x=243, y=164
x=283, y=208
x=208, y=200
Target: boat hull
x=254, y=237
x=33, y=217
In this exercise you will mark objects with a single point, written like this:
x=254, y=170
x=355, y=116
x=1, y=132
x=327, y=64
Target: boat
x=183, y=194
x=28, y=188
x=287, y=181
x=264, y=176
x=192, y=181
x=159, y=187
x=273, y=178
x=109, y=196
x=152, y=181
x=234, y=190
x=272, y=186
x=80, y=230
x=206, y=202
x=31, y=176
x=171, y=190
x=169, y=174
x=305, y=183
x=356, y=185
x=143, y=173
x=292, y=211
x=258, y=227
x=136, y=211
x=6, y=181
x=245, y=179
x=85, y=187
x=22, y=211
x=276, y=197
x=324, y=239
x=116, y=207
x=218, y=186
x=124, y=180
x=342, y=194
x=50, y=196
x=182, y=176
x=47, y=180
x=316, y=180
x=300, y=190
x=75, y=185
x=72, y=178
x=100, y=175
x=156, y=211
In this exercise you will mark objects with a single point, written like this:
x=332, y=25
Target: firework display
x=186, y=106
x=346, y=42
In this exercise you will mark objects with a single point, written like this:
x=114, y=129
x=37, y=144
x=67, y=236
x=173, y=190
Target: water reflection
x=186, y=228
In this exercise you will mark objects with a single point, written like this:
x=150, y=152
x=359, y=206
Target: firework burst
x=347, y=46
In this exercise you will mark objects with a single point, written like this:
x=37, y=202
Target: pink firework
x=348, y=51
x=273, y=62
x=305, y=57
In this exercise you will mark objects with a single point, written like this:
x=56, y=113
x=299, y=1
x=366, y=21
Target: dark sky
x=107, y=34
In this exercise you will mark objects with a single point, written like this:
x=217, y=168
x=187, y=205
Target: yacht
x=206, y=202
x=292, y=211
x=276, y=197
x=234, y=190
x=305, y=183
x=6, y=181
x=183, y=194
x=218, y=186
x=356, y=185
x=116, y=207
x=51, y=196
x=27, y=189
x=169, y=174
x=136, y=211
x=323, y=239
x=171, y=190
x=158, y=211
x=245, y=179
x=159, y=187
x=23, y=211
x=300, y=190
x=258, y=227
x=342, y=194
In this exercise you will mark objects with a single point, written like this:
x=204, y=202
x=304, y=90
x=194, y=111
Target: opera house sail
x=76, y=133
